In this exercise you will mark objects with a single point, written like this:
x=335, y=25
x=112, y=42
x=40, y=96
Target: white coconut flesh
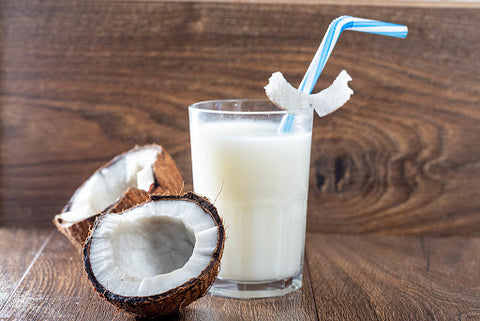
x=285, y=96
x=152, y=248
x=104, y=187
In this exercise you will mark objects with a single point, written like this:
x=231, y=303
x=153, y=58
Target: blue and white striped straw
x=330, y=39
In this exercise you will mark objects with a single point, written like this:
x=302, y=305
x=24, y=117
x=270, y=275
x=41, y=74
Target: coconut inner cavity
x=151, y=246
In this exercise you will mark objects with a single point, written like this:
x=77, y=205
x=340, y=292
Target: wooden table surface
x=394, y=203
x=346, y=277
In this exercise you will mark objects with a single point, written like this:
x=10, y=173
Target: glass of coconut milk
x=257, y=176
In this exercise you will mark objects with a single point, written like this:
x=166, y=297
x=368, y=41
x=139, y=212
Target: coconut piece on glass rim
x=285, y=96
x=149, y=168
x=156, y=257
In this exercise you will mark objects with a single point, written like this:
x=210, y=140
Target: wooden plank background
x=84, y=80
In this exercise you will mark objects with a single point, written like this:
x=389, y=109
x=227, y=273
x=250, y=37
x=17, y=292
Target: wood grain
x=83, y=81
x=394, y=278
x=371, y=3
x=18, y=248
x=57, y=288
x=359, y=277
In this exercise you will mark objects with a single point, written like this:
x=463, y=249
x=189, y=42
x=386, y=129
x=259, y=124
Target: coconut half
x=157, y=257
x=149, y=168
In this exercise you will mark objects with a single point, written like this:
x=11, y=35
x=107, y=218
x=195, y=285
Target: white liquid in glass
x=259, y=182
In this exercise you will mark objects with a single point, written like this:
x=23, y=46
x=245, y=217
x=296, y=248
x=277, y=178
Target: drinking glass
x=256, y=174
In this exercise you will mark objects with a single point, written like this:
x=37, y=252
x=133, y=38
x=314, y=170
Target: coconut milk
x=258, y=180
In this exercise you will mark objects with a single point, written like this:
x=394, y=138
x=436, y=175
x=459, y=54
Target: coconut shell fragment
x=139, y=290
x=160, y=175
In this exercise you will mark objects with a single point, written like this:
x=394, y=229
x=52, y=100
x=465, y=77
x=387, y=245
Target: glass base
x=253, y=289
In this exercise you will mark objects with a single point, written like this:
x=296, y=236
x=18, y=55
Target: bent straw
x=328, y=42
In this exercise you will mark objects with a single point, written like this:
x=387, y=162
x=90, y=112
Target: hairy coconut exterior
x=77, y=232
x=132, y=197
x=174, y=299
x=167, y=180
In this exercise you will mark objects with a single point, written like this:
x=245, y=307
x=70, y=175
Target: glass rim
x=196, y=106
